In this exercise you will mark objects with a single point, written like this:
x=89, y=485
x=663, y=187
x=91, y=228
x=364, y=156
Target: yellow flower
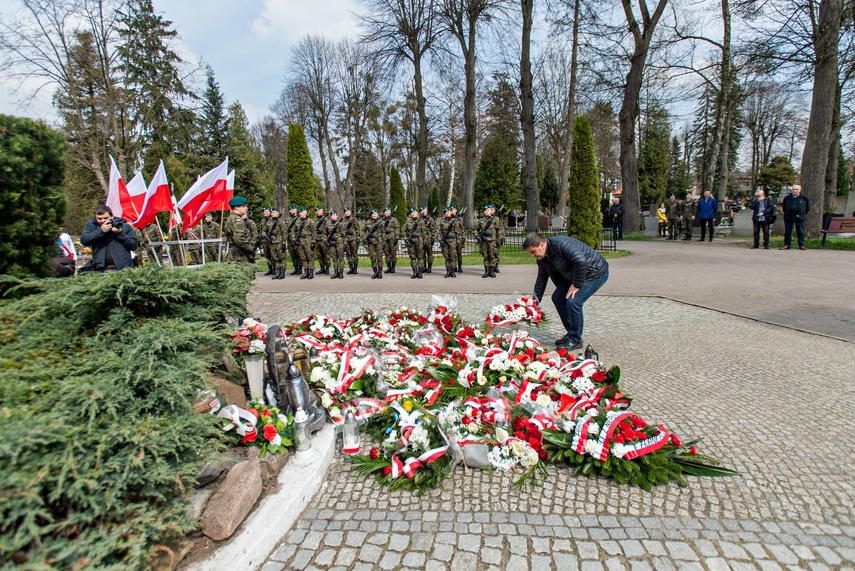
x=408, y=406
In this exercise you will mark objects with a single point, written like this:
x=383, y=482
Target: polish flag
x=158, y=198
x=117, y=191
x=175, y=219
x=136, y=195
x=209, y=187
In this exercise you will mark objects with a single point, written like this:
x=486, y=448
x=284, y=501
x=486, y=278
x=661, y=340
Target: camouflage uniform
x=292, y=246
x=152, y=234
x=239, y=232
x=334, y=241
x=415, y=232
x=689, y=209
x=390, y=242
x=486, y=235
x=177, y=252
x=277, y=238
x=210, y=231
x=448, y=242
x=373, y=238
x=500, y=226
x=352, y=232
x=673, y=211
x=264, y=229
x=321, y=248
x=460, y=233
x=304, y=240
x=194, y=248
x=429, y=237
x=141, y=252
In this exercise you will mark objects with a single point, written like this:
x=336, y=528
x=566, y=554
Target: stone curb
x=274, y=516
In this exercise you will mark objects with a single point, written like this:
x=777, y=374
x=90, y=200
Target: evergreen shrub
x=99, y=441
x=585, y=220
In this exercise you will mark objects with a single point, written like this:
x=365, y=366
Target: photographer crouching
x=112, y=240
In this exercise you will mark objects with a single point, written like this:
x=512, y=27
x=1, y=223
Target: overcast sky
x=246, y=42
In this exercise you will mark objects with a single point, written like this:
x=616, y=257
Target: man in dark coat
x=796, y=208
x=112, y=240
x=616, y=212
x=577, y=271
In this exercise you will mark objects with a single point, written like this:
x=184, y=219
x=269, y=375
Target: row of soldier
x=679, y=215
x=334, y=240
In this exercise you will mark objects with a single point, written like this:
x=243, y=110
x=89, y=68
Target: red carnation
x=250, y=436
x=534, y=443
x=542, y=454
x=466, y=420
x=598, y=377
x=693, y=449
x=269, y=432
x=387, y=470
x=253, y=412
x=520, y=435
x=638, y=422
x=374, y=453
x=676, y=440
x=474, y=412
x=640, y=435
x=265, y=413
x=575, y=374
x=619, y=439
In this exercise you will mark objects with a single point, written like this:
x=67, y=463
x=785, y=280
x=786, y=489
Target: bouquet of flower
x=525, y=309
x=267, y=428
x=250, y=338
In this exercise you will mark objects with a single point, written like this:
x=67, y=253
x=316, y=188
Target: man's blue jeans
x=570, y=309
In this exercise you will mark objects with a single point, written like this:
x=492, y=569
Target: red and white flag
x=200, y=198
x=136, y=195
x=158, y=198
x=117, y=190
x=175, y=219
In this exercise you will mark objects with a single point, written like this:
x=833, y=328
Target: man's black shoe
x=563, y=342
x=575, y=346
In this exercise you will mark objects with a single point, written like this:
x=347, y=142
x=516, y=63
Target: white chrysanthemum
x=473, y=427
x=419, y=439
x=569, y=426
x=583, y=384
x=319, y=375
x=619, y=450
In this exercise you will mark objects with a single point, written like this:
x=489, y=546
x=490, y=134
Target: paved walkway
x=772, y=402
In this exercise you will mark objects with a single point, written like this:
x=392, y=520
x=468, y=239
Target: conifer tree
x=302, y=185
x=654, y=156
x=585, y=220
x=253, y=178
x=397, y=198
x=497, y=178
x=214, y=123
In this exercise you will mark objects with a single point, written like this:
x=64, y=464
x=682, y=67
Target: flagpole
x=220, y=246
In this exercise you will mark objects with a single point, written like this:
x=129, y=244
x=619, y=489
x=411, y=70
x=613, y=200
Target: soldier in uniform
x=390, y=240
x=351, y=240
x=486, y=237
x=689, y=212
x=177, y=252
x=321, y=249
x=238, y=230
x=277, y=237
x=429, y=225
x=334, y=241
x=304, y=241
x=414, y=233
x=374, y=241
x=140, y=253
x=264, y=228
x=292, y=247
x=194, y=248
x=673, y=211
x=501, y=229
x=209, y=230
x=460, y=232
x=448, y=241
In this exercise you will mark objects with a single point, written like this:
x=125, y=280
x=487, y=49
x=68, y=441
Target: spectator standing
x=616, y=212
x=577, y=270
x=112, y=240
x=763, y=208
x=706, y=209
x=662, y=217
x=796, y=208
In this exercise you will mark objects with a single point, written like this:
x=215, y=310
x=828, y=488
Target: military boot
x=419, y=273
x=486, y=271
x=388, y=269
x=492, y=271
x=341, y=273
x=496, y=268
x=311, y=273
x=374, y=275
x=305, y=275
x=271, y=271
x=447, y=273
x=297, y=270
x=430, y=268
x=453, y=273
x=414, y=276
x=355, y=268
x=380, y=272
x=394, y=263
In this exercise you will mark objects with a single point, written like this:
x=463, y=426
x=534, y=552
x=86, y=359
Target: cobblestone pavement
x=772, y=403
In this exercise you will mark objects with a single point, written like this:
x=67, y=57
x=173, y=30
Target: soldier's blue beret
x=237, y=201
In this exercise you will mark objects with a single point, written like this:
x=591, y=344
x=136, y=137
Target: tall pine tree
x=397, y=198
x=253, y=177
x=585, y=220
x=654, y=155
x=215, y=128
x=302, y=186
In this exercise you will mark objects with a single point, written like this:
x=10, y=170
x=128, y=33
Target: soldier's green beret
x=292, y=207
x=373, y=211
x=274, y=209
x=424, y=207
x=211, y=214
x=266, y=208
x=386, y=207
x=346, y=208
x=413, y=209
x=319, y=207
x=301, y=209
x=333, y=212
x=237, y=201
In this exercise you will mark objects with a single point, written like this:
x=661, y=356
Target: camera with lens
x=116, y=223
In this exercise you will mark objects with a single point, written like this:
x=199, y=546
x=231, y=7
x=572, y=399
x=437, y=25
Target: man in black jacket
x=577, y=271
x=616, y=212
x=796, y=208
x=112, y=240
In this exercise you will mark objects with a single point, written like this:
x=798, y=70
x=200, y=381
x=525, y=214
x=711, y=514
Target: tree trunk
x=728, y=104
x=564, y=171
x=470, y=125
x=422, y=135
x=833, y=153
x=532, y=197
x=815, y=157
x=629, y=109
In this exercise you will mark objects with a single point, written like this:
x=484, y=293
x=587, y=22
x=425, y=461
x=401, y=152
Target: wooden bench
x=839, y=225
